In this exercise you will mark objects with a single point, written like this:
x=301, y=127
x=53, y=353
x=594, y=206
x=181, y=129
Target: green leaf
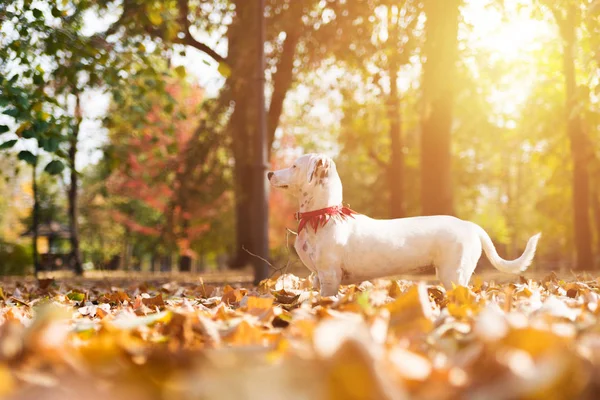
x=363, y=301
x=138, y=109
x=180, y=71
x=37, y=13
x=54, y=167
x=8, y=144
x=28, y=157
x=4, y=129
x=76, y=296
x=12, y=112
x=28, y=133
x=52, y=145
x=56, y=12
x=224, y=69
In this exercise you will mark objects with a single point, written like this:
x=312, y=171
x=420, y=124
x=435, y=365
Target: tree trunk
x=35, y=222
x=596, y=214
x=243, y=127
x=439, y=74
x=576, y=134
x=396, y=166
x=240, y=55
x=260, y=189
x=283, y=77
x=75, y=257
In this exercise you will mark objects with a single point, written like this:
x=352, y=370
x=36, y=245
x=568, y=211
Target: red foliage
x=152, y=171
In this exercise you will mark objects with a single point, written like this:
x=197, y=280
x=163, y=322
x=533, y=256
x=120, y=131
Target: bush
x=15, y=259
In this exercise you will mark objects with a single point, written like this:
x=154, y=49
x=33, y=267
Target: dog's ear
x=318, y=166
x=312, y=168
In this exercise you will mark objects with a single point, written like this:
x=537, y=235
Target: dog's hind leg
x=456, y=267
x=457, y=262
x=458, y=271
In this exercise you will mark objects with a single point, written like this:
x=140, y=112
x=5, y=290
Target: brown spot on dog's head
x=305, y=194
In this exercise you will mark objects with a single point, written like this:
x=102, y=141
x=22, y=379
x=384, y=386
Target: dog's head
x=307, y=171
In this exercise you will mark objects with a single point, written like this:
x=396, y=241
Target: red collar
x=322, y=216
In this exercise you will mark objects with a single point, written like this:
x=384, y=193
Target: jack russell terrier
x=352, y=247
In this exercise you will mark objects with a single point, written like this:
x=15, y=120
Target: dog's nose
x=269, y=175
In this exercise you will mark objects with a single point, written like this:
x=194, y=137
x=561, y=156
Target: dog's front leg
x=306, y=255
x=330, y=280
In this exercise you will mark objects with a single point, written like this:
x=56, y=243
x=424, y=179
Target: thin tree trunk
x=36, y=221
x=439, y=73
x=396, y=169
x=283, y=77
x=396, y=166
x=260, y=189
x=243, y=191
x=576, y=134
x=596, y=214
x=72, y=194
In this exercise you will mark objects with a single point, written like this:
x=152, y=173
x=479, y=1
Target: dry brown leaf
x=154, y=302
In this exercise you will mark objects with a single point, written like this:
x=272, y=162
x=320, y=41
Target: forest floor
x=183, y=336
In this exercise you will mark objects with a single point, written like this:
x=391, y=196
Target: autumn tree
x=51, y=63
x=568, y=18
x=172, y=165
x=392, y=40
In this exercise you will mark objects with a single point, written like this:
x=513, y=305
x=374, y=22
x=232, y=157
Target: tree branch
x=284, y=75
x=382, y=164
x=282, y=81
x=188, y=39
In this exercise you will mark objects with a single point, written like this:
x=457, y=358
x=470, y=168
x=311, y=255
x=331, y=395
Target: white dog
x=342, y=247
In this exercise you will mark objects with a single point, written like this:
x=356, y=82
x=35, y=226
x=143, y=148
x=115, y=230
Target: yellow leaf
x=155, y=17
x=535, y=341
x=180, y=71
x=259, y=302
x=412, y=309
x=23, y=126
x=7, y=382
x=224, y=69
x=244, y=334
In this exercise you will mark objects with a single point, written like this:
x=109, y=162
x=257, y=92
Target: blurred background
x=128, y=129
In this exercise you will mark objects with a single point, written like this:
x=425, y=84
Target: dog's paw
x=329, y=292
x=314, y=281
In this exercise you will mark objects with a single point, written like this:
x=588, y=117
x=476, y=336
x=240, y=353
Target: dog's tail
x=508, y=266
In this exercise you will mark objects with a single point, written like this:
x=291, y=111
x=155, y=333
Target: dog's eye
x=293, y=166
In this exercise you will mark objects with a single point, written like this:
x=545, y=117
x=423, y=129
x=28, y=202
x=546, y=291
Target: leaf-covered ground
x=390, y=339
